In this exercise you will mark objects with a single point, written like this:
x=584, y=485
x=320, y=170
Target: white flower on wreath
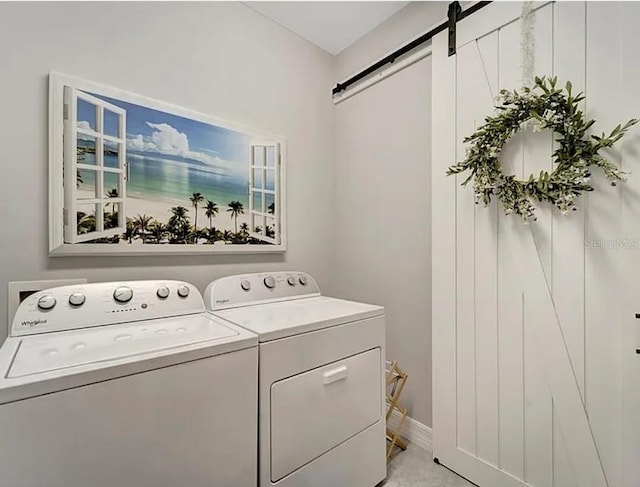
x=539, y=125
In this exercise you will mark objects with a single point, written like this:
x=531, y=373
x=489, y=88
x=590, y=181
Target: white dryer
x=126, y=384
x=321, y=379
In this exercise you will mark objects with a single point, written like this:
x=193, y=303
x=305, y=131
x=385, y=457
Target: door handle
x=334, y=375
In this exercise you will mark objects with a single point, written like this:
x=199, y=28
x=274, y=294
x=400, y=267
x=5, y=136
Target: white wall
x=382, y=196
x=218, y=58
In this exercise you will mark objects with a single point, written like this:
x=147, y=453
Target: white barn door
x=528, y=389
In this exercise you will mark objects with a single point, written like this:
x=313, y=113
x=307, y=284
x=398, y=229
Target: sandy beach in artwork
x=161, y=211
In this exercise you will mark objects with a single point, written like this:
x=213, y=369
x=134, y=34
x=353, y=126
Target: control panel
x=104, y=303
x=243, y=290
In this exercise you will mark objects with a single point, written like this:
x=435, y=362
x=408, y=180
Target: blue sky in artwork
x=154, y=131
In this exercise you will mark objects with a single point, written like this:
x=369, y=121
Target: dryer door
x=315, y=411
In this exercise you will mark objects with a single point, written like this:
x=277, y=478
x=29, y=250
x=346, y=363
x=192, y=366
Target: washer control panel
x=104, y=303
x=246, y=289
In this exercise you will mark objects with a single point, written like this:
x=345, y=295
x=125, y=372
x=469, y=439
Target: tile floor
x=415, y=468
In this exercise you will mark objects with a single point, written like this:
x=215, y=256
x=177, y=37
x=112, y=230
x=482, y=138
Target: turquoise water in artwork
x=175, y=180
x=163, y=179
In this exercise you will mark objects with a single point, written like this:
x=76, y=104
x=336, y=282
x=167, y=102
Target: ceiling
x=332, y=26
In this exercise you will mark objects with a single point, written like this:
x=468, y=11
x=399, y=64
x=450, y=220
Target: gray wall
x=218, y=58
x=382, y=197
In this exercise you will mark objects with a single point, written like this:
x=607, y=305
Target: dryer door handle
x=334, y=375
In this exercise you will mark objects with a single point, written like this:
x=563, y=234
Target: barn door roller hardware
x=455, y=14
x=455, y=10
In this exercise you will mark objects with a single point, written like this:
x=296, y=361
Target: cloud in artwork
x=84, y=125
x=167, y=140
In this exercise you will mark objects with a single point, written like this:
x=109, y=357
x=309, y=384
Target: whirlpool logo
x=32, y=323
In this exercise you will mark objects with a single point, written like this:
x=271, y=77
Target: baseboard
x=414, y=431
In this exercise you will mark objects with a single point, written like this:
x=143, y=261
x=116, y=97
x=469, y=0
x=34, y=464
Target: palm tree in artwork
x=212, y=235
x=142, y=223
x=179, y=213
x=196, y=199
x=179, y=223
x=270, y=232
x=113, y=193
x=211, y=210
x=227, y=236
x=130, y=231
x=235, y=208
x=86, y=222
x=158, y=231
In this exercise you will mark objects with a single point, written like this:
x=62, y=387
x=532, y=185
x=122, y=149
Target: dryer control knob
x=303, y=280
x=123, y=294
x=163, y=292
x=46, y=302
x=183, y=291
x=270, y=282
x=245, y=285
x=77, y=299
x=291, y=280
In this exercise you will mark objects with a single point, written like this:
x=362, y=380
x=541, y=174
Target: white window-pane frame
x=261, y=214
x=71, y=167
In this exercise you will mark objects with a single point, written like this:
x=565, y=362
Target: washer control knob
x=77, y=299
x=303, y=280
x=270, y=282
x=46, y=302
x=291, y=280
x=183, y=291
x=245, y=285
x=123, y=294
x=163, y=292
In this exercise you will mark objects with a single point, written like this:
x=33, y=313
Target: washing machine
x=127, y=384
x=321, y=379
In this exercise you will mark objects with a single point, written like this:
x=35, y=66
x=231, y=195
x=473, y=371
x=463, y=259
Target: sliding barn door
x=528, y=321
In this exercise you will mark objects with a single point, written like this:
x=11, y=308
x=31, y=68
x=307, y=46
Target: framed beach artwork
x=131, y=175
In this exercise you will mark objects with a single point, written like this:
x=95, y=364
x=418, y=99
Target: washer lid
x=287, y=318
x=54, y=351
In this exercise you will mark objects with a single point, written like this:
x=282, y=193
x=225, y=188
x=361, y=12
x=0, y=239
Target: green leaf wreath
x=547, y=107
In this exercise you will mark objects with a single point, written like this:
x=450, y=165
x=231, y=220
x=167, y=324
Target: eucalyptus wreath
x=546, y=107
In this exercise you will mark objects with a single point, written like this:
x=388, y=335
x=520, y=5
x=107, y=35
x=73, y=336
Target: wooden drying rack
x=396, y=380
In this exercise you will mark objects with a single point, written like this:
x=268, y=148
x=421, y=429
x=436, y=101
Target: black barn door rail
x=455, y=14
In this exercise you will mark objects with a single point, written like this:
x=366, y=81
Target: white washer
x=321, y=379
x=126, y=384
